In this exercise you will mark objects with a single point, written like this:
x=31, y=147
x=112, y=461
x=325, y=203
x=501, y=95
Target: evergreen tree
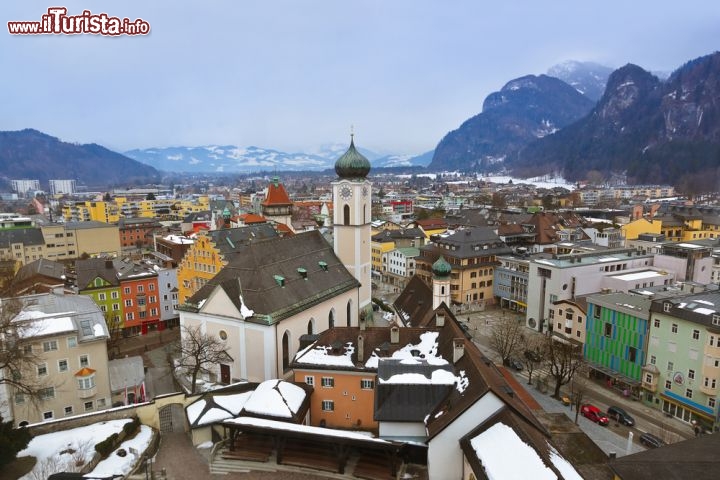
x=12, y=440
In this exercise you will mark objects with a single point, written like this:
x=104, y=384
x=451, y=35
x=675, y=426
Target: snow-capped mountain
x=587, y=78
x=233, y=159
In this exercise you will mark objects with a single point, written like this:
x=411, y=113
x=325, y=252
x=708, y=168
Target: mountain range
x=649, y=130
x=524, y=110
x=645, y=128
x=31, y=154
x=234, y=159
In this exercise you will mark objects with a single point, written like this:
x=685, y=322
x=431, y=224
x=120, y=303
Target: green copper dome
x=352, y=164
x=441, y=268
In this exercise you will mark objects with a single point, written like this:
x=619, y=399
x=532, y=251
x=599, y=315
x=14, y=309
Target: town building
x=40, y=276
x=137, y=232
x=173, y=247
x=24, y=186
x=212, y=250
x=68, y=335
x=616, y=338
x=473, y=253
x=564, y=277
x=400, y=266
x=569, y=320
x=62, y=187
x=683, y=371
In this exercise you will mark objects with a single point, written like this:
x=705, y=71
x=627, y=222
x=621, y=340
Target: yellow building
x=87, y=211
x=378, y=248
x=631, y=231
x=210, y=253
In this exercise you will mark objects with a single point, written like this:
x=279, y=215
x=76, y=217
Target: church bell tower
x=352, y=193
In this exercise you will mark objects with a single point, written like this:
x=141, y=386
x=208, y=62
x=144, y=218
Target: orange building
x=342, y=366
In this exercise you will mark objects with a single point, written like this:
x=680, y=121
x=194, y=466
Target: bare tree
x=506, y=337
x=563, y=359
x=198, y=353
x=15, y=359
x=534, y=353
x=579, y=386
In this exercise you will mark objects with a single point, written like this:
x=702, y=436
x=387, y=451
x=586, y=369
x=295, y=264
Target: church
x=264, y=300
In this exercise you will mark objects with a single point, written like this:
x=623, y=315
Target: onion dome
x=441, y=268
x=352, y=164
x=226, y=213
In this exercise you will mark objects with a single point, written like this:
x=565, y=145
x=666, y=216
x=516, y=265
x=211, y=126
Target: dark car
x=651, y=441
x=620, y=415
x=591, y=412
x=516, y=364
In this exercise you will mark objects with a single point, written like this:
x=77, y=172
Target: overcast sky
x=295, y=74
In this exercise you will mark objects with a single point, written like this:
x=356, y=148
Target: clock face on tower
x=345, y=192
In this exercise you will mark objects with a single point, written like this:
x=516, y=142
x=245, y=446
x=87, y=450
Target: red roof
x=277, y=195
x=250, y=218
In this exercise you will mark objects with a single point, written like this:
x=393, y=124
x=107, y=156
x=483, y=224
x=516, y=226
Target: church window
x=346, y=215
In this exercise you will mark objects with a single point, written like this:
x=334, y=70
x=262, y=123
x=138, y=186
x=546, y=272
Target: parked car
x=651, y=441
x=516, y=364
x=591, y=412
x=620, y=415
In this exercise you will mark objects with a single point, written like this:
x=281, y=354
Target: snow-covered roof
x=504, y=456
x=45, y=325
x=427, y=349
x=292, y=427
x=216, y=408
x=321, y=355
x=276, y=398
x=638, y=275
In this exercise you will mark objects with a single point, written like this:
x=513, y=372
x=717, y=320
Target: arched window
x=286, y=351
x=310, y=327
x=346, y=215
x=442, y=290
x=349, y=309
x=331, y=319
x=364, y=213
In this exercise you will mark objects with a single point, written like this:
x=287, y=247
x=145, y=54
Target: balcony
x=87, y=392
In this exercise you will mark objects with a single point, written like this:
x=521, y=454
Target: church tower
x=352, y=206
x=441, y=282
x=277, y=206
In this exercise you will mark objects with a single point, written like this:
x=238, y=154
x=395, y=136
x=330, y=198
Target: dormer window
x=666, y=306
x=716, y=319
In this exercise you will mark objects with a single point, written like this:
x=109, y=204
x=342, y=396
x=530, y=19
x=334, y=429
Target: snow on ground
x=47, y=448
x=114, y=464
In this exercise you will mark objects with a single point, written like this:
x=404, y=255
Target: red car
x=591, y=412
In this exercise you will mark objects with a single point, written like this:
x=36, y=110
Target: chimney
x=363, y=323
x=458, y=349
x=439, y=319
x=360, y=348
x=394, y=334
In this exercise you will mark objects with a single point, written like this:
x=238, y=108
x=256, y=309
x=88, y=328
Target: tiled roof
x=42, y=267
x=268, y=276
x=88, y=270
x=276, y=195
x=696, y=459
x=26, y=236
x=468, y=243
x=229, y=240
